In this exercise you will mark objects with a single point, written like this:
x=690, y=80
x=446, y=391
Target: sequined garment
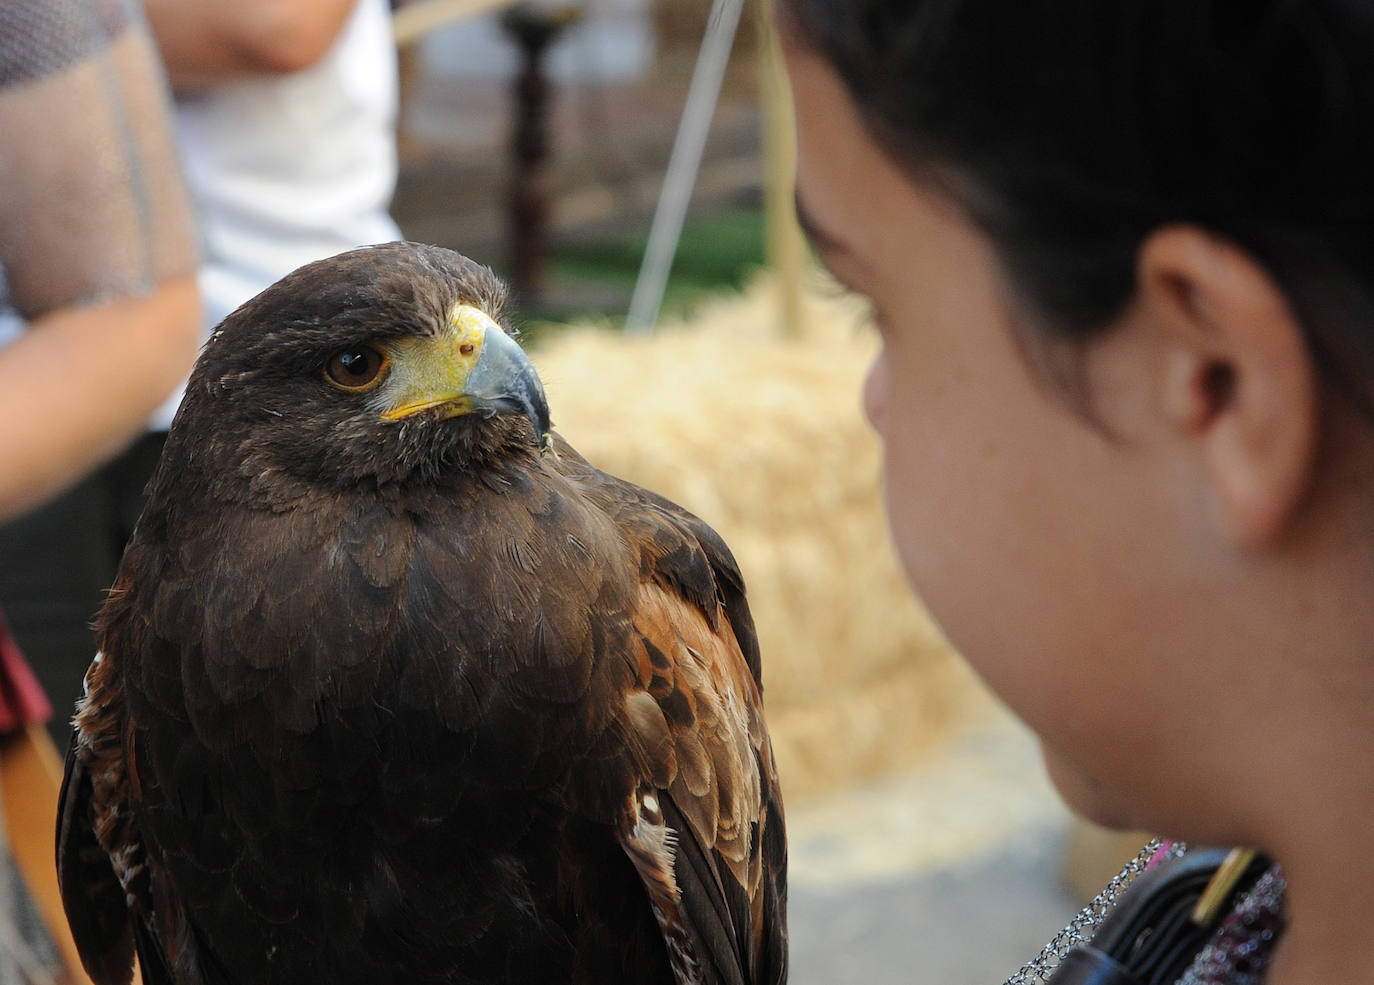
x=1239, y=953
x=1244, y=944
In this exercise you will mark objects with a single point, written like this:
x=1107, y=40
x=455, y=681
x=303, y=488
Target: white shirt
x=287, y=169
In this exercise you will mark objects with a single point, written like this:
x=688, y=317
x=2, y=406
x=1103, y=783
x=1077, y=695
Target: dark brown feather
x=412, y=702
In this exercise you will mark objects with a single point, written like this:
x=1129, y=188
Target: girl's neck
x=1330, y=904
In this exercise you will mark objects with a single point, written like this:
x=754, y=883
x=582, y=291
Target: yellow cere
x=430, y=372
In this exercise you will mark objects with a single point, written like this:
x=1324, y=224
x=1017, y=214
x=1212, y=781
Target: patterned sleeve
x=92, y=204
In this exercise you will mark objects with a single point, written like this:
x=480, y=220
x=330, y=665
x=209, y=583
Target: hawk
x=394, y=686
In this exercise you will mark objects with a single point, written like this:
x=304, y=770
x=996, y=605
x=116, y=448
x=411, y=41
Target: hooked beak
x=472, y=367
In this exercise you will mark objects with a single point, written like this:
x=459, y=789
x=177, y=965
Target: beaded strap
x=1081, y=927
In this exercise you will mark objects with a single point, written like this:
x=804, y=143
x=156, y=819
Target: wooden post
x=534, y=29
x=785, y=245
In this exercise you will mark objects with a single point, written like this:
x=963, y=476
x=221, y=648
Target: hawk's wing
x=101, y=863
x=91, y=893
x=707, y=832
x=383, y=739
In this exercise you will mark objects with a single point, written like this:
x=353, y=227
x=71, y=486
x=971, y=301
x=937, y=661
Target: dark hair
x=1070, y=129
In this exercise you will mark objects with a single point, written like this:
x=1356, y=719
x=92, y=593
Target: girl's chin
x=1085, y=795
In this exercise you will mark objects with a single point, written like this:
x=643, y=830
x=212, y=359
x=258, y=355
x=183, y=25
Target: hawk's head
x=375, y=366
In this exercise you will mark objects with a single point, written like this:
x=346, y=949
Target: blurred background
x=613, y=76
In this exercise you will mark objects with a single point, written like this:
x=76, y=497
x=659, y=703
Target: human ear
x=1237, y=382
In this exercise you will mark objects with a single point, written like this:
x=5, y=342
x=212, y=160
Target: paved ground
x=948, y=875
x=970, y=924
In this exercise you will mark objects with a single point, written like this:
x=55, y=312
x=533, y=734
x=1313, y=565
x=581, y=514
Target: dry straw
x=763, y=438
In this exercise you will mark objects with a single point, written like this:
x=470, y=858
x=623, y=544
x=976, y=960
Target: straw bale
x=764, y=439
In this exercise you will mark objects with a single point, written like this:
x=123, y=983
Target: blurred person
x=1121, y=260
x=99, y=313
x=284, y=116
x=98, y=302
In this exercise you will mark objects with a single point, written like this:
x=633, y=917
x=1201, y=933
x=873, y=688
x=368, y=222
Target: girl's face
x=1052, y=551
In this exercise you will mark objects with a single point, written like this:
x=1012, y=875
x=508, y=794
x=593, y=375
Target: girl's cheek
x=875, y=391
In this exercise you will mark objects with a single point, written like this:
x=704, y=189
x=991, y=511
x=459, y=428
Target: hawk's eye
x=359, y=367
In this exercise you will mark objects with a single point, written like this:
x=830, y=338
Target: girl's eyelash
x=827, y=285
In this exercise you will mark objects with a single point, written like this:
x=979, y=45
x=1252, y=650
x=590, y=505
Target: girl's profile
x=1121, y=257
